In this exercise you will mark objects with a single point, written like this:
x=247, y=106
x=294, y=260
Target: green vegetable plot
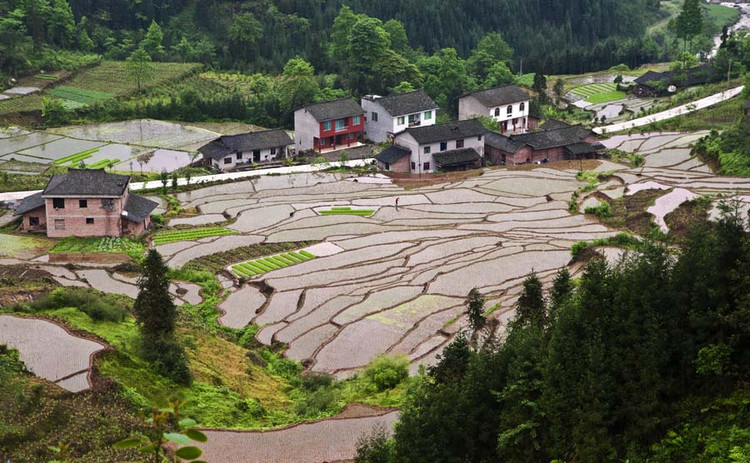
x=186, y=235
x=346, y=211
x=76, y=158
x=266, y=264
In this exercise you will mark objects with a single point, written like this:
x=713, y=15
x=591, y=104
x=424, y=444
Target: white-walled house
x=389, y=115
x=508, y=105
x=441, y=147
x=329, y=125
x=232, y=151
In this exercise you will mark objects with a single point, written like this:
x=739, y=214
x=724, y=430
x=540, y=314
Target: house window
x=374, y=116
x=443, y=145
x=83, y=204
x=273, y=151
x=340, y=125
x=387, y=166
x=426, y=150
x=426, y=166
x=479, y=138
x=228, y=160
x=59, y=224
x=89, y=221
x=108, y=204
x=497, y=112
x=413, y=166
x=510, y=109
x=427, y=115
x=239, y=156
x=459, y=144
x=522, y=107
x=33, y=221
x=327, y=125
x=401, y=120
x=58, y=203
x=355, y=120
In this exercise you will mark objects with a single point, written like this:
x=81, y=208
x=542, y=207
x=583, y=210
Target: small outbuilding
x=230, y=152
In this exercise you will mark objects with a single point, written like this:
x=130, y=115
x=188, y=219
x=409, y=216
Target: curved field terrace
x=398, y=282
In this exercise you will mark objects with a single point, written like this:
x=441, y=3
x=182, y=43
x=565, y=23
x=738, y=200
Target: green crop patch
x=347, y=211
x=103, y=163
x=189, y=235
x=606, y=97
x=76, y=158
x=267, y=264
x=80, y=95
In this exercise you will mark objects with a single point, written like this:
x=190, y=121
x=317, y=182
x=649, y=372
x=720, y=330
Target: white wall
x=419, y=157
x=306, y=127
x=469, y=107
x=378, y=131
x=247, y=158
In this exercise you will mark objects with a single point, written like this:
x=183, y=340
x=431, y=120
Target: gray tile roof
x=448, y=131
x=407, y=103
x=553, y=138
x=553, y=124
x=138, y=208
x=584, y=148
x=29, y=203
x=456, y=157
x=499, y=96
x=334, y=109
x=392, y=154
x=502, y=142
x=87, y=182
x=228, y=144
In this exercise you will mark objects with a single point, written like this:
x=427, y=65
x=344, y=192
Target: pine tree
x=562, y=288
x=531, y=307
x=154, y=308
x=689, y=22
x=475, y=311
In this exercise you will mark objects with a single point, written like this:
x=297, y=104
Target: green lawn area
x=92, y=245
x=192, y=234
x=606, y=97
x=722, y=15
x=23, y=247
x=266, y=264
x=593, y=89
x=346, y=211
x=525, y=79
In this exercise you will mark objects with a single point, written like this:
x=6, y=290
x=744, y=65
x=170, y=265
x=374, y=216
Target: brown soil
x=586, y=164
x=409, y=181
x=686, y=217
x=629, y=212
x=95, y=258
x=22, y=284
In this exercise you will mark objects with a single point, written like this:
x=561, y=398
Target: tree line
x=620, y=365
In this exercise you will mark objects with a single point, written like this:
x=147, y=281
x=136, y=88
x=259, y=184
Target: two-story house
x=508, y=105
x=389, y=115
x=86, y=202
x=329, y=125
x=440, y=147
x=235, y=151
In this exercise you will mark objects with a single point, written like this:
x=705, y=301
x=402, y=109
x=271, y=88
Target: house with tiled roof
x=230, y=152
x=440, y=147
x=329, y=125
x=508, y=105
x=86, y=202
x=389, y=115
x=556, y=141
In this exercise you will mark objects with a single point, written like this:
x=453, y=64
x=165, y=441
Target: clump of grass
x=189, y=235
x=623, y=240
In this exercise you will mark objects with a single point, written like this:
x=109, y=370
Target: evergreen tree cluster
x=598, y=369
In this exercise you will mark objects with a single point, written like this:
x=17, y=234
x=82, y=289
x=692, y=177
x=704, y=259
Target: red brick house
x=335, y=124
x=86, y=202
x=556, y=141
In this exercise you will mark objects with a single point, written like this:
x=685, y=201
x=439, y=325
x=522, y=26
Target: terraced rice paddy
x=186, y=235
x=266, y=264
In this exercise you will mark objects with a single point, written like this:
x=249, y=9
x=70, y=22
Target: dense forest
x=556, y=36
x=644, y=360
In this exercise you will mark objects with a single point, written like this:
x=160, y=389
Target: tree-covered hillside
x=556, y=36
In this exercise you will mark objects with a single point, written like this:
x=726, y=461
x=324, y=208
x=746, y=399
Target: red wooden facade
x=348, y=133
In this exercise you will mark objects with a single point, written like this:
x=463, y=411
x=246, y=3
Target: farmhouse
x=508, y=105
x=556, y=141
x=86, y=202
x=235, y=151
x=329, y=125
x=444, y=147
x=653, y=84
x=389, y=115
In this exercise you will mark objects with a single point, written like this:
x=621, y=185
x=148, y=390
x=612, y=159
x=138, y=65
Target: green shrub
x=317, y=402
x=603, y=210
x=283, y=367
x=315, y=381
x=168, y=358
x=87, y=301
x=387, y=372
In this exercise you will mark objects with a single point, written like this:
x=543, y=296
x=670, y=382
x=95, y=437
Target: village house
x=329, y=125
x=86, y=202
x=441, y=147
x=508, y=105
x=389, y=115
x=653, y=84
x=556, y=141
x=230, y=152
